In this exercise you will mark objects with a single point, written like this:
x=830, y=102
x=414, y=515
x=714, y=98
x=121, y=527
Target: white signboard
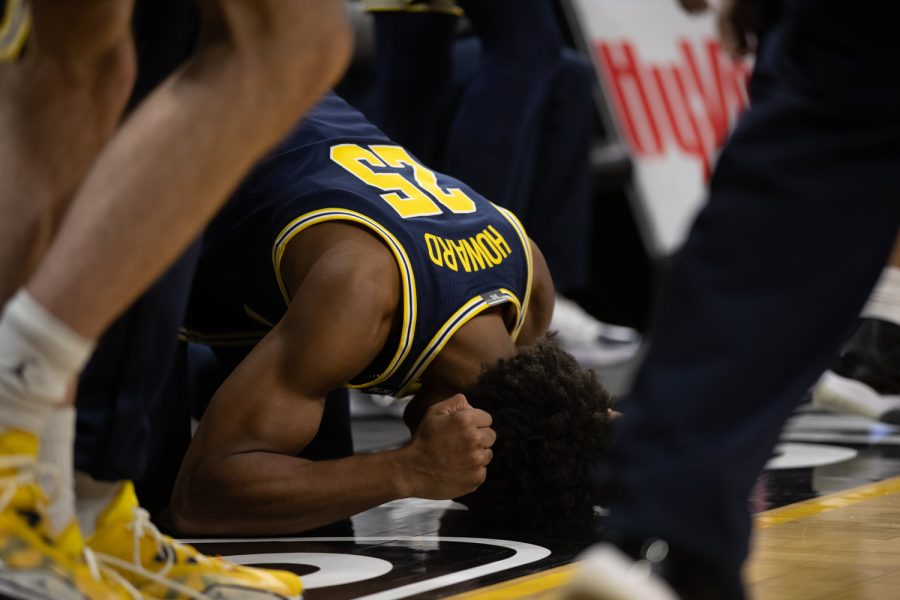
x=673, y=95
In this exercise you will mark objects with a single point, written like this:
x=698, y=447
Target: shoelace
x=166, y=547
x=101, y=573
x=28, y=471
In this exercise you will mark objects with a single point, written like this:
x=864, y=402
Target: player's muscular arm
x=242, y=461
x=241, y=475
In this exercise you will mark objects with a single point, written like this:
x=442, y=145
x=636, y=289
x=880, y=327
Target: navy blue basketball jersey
x=457, y=252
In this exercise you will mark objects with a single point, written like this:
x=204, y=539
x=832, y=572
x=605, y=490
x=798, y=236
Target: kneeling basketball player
x=342, y=261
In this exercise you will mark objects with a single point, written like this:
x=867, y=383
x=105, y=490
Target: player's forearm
x=182, y=151
x=264, y=493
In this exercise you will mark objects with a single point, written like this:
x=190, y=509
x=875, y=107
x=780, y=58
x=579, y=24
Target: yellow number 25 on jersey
x=416, y=197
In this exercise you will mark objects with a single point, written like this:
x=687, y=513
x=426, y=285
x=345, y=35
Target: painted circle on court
x=334, y=569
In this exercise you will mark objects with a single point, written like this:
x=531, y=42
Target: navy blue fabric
x=511, y=116
x=414, y=51
x=237, y=295
x=804, y=208
x=127, y=377
x=165, y=32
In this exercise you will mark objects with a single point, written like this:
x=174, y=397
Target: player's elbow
x=188, y=523
x=195, y=507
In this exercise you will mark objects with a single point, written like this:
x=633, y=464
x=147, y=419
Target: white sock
x=93, y=497
x=884, y=302
x=39, y=357
x=57, y=443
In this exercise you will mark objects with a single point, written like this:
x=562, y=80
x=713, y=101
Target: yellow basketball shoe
x=161, y=567
x=32, y=566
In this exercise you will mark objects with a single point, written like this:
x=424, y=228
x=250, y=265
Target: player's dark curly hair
x=552, y=419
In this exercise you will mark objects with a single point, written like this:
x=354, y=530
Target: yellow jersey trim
x=221, y=340
x=258, y=317
x=407, y=277
x=517, y=304
x=529, y=260
x=463, y=315
x=14, y=29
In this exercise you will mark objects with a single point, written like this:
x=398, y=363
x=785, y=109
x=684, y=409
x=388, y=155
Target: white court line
x=333, y=568
x=863, y=439
x=524, y=554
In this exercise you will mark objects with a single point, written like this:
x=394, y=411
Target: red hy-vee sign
x=687, y=104
x=672, y=96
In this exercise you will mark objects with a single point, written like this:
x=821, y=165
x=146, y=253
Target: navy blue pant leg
x=126, y=379
x=414, y=86
x=494, y=137
x=559, y=212
x=803, y=211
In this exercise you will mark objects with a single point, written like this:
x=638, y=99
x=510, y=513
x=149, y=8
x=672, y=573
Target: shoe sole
x=605, y=573
x=29, y=591
x=842, y=394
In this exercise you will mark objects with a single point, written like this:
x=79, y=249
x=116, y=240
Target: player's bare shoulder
x=351, y=262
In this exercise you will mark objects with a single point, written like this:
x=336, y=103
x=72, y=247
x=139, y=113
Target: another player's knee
x=287, y=47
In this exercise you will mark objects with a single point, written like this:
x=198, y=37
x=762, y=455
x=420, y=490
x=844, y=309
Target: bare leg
x=260, y=65
x=60, y=104
x=154, y=185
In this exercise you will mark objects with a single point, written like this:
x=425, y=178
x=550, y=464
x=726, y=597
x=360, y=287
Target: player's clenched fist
x=449, y=453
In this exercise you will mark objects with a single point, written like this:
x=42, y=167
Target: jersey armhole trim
x=466, y=313
x=529, y=261
x=407, y=277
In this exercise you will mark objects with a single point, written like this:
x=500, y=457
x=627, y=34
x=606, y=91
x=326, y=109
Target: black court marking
x=364, y=567
x=404, y=549
x=875, y=449
x=419, y=549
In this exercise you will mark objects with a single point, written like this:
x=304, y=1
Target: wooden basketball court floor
x=827, y=527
